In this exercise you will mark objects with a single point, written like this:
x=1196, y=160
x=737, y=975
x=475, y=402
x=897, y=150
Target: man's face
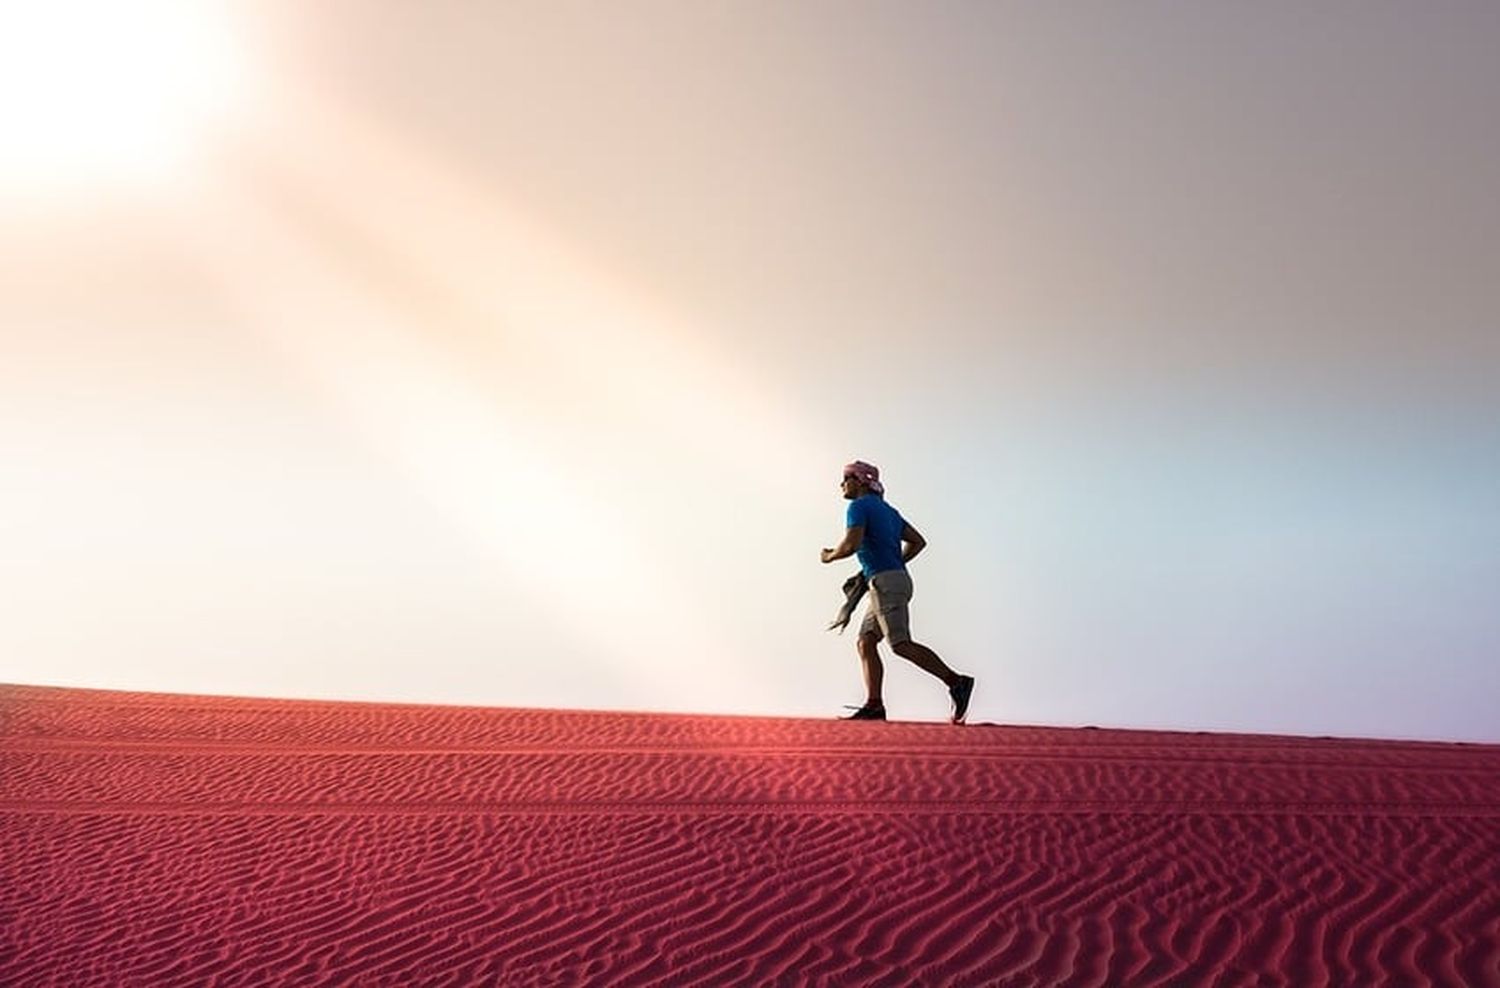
x=852, y=487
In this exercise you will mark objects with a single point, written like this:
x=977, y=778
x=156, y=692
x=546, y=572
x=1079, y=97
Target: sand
x=162, y=840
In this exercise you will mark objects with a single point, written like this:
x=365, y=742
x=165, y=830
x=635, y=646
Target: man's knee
x=905, y=647
x=867, y=643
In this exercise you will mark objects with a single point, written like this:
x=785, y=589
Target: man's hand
x=914, y=542
x=827, y=555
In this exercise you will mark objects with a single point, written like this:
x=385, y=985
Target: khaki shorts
x=888, y=615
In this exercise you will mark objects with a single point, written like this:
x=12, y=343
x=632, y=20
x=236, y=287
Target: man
x=877, y=532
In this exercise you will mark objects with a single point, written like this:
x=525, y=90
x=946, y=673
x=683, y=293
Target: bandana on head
x=867, y=474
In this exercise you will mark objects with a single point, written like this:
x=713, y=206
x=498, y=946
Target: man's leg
x=927, y=660
x=960, y=687
x=874, y=671
x=894, y=596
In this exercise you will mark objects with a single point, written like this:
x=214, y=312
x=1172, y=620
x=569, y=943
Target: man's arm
x=852, y=538
x=914, y=543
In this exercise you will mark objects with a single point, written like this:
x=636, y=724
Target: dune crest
x=180, y=840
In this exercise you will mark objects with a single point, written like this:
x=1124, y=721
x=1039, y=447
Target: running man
x=877, y=532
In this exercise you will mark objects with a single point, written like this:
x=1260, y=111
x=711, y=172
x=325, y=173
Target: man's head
x=861, y=478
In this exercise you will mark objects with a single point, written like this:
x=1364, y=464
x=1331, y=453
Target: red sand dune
x=161, y=840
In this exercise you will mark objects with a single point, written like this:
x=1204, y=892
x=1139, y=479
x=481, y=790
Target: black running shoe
x=867, y=712
x=960, y=692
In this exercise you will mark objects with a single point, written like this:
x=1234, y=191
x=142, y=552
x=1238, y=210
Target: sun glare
x=94, y=92
x=394, y=350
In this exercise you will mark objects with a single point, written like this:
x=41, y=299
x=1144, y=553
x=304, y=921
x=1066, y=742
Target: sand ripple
x=159, y=841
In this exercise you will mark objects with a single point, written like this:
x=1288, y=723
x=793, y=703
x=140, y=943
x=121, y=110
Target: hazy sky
x=508, y=354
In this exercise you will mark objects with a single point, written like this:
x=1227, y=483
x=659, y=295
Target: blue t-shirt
x=881, y=548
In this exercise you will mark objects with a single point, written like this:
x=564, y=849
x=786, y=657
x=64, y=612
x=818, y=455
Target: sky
x=509, y=354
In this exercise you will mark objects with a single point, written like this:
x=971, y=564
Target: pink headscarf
x=867, y=474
